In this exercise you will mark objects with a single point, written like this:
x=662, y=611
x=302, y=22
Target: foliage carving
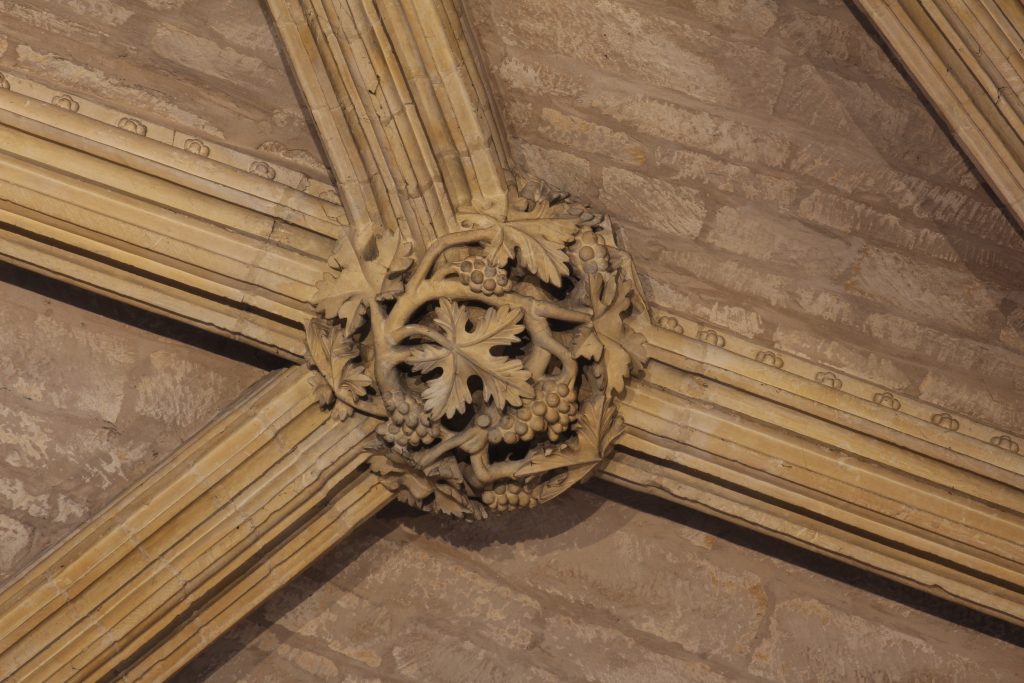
x=462, y=354
x=494, y=358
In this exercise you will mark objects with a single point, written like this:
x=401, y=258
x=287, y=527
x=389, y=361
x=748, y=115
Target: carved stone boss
x=494, y=357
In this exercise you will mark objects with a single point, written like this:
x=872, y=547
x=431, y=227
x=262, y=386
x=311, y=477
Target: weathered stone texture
x=211, y=68
x=88, y=405
x=586, y=588
x=775, y=174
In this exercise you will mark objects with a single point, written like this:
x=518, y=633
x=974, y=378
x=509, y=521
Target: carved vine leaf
x=336, y=301
x=599, y=427
x=610, y=338
x=344, y=292
x=540, y=245
x=319, y=334
x=567, y=456
x=447, y=469
x=466, y=353
x=335, y=355
x=598, y=430
x=424, y=492
x=395, y=477
x=451, y=501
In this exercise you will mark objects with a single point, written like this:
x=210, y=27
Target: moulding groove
x=807, y=531
x=64, y=219
x=396, y=99
x=903, y=545
x=62, y=264
x=169, y=152
x=354, y=184
x=342, y=513
x=830, y=471
x=791, y=455
x=797, y=381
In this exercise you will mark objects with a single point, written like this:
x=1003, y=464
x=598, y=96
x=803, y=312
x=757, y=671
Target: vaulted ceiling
x=777, y=178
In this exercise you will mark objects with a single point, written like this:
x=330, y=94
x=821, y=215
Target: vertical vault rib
x=397, y=97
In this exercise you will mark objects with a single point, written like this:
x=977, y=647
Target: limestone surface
x=90, y=403
x=211, y=68
x=774, y=173
x=587, y=588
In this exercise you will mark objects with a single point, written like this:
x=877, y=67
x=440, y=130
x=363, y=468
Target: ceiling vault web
x=467, y=340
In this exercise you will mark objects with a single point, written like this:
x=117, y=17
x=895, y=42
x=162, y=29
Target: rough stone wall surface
x=212, y=68
x=587, y=588
x=775, y=175
x=88, y=405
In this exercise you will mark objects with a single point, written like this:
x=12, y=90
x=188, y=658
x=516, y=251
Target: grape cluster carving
x=493, y=358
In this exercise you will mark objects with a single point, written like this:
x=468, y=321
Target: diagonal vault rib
x=237, y=512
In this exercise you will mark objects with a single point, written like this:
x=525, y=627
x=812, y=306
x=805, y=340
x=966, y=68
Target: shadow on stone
x=241, y=636
x=139, y=318
x=819, y=564
x=548, y=521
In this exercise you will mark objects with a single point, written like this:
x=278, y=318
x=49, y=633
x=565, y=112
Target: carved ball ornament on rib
x=494, y=358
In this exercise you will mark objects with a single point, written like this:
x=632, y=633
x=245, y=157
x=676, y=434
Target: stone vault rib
x=968, y=58
x=846, y=477
x=401, y=108
x=234, y=514
x=162, y=228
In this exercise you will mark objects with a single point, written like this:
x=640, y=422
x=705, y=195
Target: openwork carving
x=494, y=358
